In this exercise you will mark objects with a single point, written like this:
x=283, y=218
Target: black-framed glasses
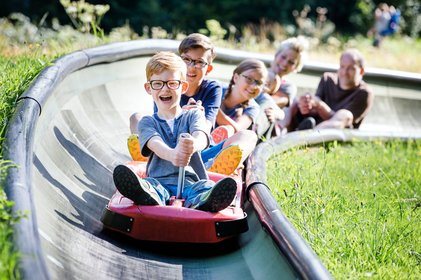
x=159, y=84
x=197, y=63
x=251, y=81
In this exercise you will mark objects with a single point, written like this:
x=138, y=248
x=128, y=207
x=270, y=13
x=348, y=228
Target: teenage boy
x=160, y=140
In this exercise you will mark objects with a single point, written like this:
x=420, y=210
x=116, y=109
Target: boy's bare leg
x=133, y=140
x=134, y=120
x=246, y=139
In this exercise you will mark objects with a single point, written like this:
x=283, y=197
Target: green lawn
x=396, y=53
x=15, y=76
x=358, y=205
x=21, y=62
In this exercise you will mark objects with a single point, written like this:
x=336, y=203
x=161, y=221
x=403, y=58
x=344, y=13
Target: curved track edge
x=19, y=144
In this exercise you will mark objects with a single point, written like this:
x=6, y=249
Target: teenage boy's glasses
x=197, y=63
x=252, y=81
x=171, y=84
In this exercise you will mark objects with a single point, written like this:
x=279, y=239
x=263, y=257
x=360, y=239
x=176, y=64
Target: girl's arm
x=281, y=99
x=223, y=119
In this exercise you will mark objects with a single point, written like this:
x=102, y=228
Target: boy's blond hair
x=195, y=41
x=163, y=61
x=299, y=45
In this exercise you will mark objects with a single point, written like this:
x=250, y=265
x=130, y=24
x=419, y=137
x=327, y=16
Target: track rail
x=41, y=133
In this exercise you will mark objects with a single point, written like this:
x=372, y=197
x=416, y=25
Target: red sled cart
x=173, y=222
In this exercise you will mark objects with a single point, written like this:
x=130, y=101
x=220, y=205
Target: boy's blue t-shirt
x=210, y=93
x=149, y=126
x=252, y=110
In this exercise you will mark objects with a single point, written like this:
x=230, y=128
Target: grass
x=9, y=257
x=396, y=53
x=21, y=62
x=357, y=205
x=15, y=76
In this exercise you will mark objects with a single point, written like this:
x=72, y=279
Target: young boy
x=160, y=140
x=197, y=51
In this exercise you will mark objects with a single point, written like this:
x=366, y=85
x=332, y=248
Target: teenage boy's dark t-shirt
x=210, y=93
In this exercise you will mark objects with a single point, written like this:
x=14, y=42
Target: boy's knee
x=134, y=120
x=244, y=138
x=248, y=135
x=135, y=117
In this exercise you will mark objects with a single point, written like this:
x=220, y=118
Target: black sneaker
x=307, y=123
x=220, y=196
x=134, y=188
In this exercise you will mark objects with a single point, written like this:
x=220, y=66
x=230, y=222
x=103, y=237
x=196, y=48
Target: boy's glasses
x=252, y=81
x=171, y=84
x=197, y=63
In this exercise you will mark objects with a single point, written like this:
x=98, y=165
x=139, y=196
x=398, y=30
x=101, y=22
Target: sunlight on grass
x=360, y=227
x=357, y=205
x=9, y=257
x=15, y=76
x=396, y=53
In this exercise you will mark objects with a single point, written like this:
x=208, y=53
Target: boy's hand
x=270, y=114
x=184, y=150
x=193, y=104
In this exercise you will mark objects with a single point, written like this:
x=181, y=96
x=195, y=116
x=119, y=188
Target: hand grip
x=181, y=173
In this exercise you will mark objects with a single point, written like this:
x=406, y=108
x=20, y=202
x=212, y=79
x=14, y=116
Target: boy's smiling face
x=167, y=98
x=195, y=73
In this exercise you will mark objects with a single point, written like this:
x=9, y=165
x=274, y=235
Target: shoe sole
x=128, y=184
x=221, y=196
x=134, y=148
x=219, y=134
x=227, y=161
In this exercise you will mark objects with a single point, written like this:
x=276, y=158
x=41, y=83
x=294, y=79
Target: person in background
x=386, y=22
x=289, y=58
x=393, y=24
x=270, y=112
x=238, y=109
x=342, y=99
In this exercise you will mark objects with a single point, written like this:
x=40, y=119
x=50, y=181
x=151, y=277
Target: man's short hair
x=163, y=61
x=356, y=56
x=195, y=41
